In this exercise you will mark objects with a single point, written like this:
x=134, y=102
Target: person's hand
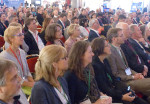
x=136, y=76
x=126, y=97
x=107, y=100
x=145, y=71
x=142, y=40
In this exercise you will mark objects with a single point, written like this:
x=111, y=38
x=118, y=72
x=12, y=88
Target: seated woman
x=74, y=33
x=46, y=22
x=53, y=34
x=107, y=83
x=82, y=85
x=13, y=35
x=51, y=87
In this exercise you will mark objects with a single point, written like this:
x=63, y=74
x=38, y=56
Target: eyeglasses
x=64, y=58
x=19, y=35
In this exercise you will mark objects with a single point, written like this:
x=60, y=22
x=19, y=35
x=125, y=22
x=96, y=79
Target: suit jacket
x=59, y=22
x=118, y=65
x=132, y=57
x=42, y=36
x=40, y=18
x=92, y=35
x=135, y=21
x=30, y=41
x=112, y=87
x=44, y=93
x=139, y=50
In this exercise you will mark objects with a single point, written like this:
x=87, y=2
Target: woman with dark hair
x=82, y=85
x=3, y=24
x=46, y=22
x=53, y=34
x=84, y=27
x=107, y=83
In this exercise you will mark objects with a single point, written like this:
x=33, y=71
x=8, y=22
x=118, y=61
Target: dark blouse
x=78, y=89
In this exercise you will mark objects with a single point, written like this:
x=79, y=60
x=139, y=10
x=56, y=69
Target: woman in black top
x=81, y=83
x=3, y=23
x=107, y=83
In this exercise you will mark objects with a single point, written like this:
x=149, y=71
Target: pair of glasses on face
x=19, y=35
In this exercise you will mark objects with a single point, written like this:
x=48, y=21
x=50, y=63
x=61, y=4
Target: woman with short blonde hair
x=49, y=68
x=74, y=33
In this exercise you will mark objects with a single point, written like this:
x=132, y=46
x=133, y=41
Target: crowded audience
x=83, y=56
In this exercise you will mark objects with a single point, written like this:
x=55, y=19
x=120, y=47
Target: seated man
x=10, y=82
x=32, y=38
x=119, y=65
x=135, y=62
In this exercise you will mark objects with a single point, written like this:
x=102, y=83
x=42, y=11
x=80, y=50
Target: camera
x=132, y=92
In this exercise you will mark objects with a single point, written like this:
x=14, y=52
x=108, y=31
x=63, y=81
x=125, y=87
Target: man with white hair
x=94, y=26
x=136, y=34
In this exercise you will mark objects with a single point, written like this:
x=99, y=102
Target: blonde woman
x=14, y=36
x=50, y=87
x=74, y=33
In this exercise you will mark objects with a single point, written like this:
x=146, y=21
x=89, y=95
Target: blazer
x=59, y=22
x=42, y=36
x=78, y=88
x=92, y=35
x=30, y=41
x=139, y=50
x=118, y=66
x=132, y=57
x=110, y=86
x=44, y=93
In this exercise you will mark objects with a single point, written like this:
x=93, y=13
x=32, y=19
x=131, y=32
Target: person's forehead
x=11, y=73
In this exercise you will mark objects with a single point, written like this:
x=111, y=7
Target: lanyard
x=109, y=77
x=89, y=81
x=87, y=29
x=5, y=25
x=18, y=59
x=65, y=96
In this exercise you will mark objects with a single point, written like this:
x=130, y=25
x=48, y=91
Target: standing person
x=51, y=87
x=81, y=82
x=10, y=82
x=39, y=15
x=14, y=36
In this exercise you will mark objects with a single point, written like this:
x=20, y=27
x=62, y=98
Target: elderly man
x=120, y=67
x=94, y=26
x=136, y=34
x=9, y=82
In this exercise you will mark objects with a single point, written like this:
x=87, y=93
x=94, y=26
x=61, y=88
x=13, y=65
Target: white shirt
x=62, y=96
x=38, y=40
x=62, y=23
x=96, y=32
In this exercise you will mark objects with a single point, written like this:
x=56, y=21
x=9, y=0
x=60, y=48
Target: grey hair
x=91, y=22
x=5, y=66
x=11, y=18
x=131, y=27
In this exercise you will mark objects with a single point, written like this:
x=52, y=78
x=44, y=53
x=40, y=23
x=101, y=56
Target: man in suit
x=119, y=64
x=61, y=21
x=32, y=39
x=134, y=18
x=135, y=62
x=134, y=40
x=94, y=26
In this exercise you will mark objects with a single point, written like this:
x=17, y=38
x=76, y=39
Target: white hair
x=91, y=22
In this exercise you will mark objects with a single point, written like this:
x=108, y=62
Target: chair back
x=31, y=60
x=2, y=41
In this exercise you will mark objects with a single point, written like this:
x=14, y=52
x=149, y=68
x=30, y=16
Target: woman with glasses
x=82, y=85
x=13, y=35
x=51, y=87
x=53, y=34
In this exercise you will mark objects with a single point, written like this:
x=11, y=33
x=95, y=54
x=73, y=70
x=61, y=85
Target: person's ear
x=54, y=64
